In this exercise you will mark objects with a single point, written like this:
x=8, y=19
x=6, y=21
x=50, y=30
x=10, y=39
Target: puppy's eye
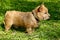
x=45, y=13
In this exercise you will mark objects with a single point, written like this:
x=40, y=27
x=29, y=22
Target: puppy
x=29, y=20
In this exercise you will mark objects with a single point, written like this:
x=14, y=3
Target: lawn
x=48, y=29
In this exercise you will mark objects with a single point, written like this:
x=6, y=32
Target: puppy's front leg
x=29, y=30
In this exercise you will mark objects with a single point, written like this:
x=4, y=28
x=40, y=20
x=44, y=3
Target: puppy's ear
x=42, y=3
x=41, y=8
x=37, y=9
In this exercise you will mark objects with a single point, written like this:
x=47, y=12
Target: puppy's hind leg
x=29, y=30
x=8, y=25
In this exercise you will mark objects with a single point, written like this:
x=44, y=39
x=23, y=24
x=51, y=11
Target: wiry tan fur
x=26, y=19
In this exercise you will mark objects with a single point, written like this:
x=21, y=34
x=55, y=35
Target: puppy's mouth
x=37, y=19
x=46, y=18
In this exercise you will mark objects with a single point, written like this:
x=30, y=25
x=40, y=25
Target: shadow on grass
x=21, y=29
x=2, y=26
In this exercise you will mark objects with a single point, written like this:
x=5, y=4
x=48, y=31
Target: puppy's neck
x=35, y=17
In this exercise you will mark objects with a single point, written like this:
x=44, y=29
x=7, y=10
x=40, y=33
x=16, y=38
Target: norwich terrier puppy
x=29, y=20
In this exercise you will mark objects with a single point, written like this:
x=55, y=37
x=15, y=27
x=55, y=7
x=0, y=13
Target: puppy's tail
x=5, y=17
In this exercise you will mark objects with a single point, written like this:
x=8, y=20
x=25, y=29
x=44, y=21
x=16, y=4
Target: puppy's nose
x=48, y=18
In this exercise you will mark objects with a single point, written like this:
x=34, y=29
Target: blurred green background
x=48, y=30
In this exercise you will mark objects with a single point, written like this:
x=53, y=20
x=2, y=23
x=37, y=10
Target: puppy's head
x=41, y=12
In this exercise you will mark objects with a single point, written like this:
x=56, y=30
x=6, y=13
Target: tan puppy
x=26, y=19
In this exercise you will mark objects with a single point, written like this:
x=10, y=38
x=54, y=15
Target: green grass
x=48, y=30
